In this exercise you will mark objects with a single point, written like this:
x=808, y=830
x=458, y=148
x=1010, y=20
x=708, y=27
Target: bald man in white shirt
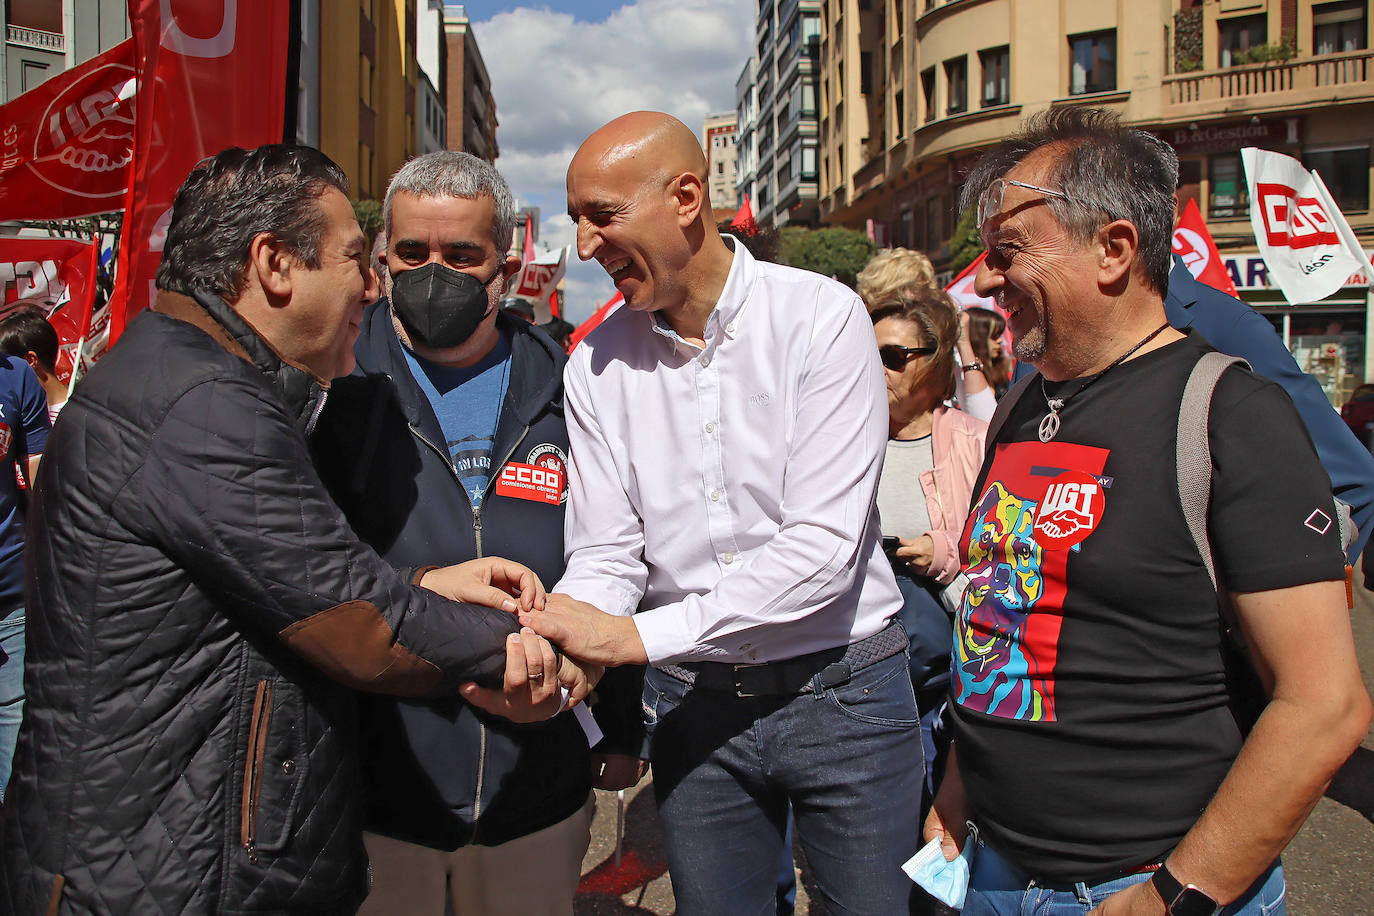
x=727, y=429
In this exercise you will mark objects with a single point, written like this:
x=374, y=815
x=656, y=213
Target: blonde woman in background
x=901, y=273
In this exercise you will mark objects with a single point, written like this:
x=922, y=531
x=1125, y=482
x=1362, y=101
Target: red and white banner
x=212, y=74
x=1193, y=243
x=59, y=277
x=539, y=278
x=66, y=145
x=1305, y=240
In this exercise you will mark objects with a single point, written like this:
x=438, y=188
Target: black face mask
x=437, y=306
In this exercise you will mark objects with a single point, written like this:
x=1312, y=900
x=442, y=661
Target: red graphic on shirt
x=6, y=437
x=1007, y=632
x=1069, y=511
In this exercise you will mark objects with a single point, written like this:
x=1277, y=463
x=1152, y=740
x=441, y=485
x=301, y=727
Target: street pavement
x=1329, y=866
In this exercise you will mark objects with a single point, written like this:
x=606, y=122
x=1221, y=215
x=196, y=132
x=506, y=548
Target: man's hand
x=497, y=583
x=578, y=678
x=531, y=692
x=587, y=633
x=950, y=813
x=617, y=771
x=1136, y=900
x=919, y=553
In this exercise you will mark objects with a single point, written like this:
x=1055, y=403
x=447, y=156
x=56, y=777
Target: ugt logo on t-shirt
x=1070, y=511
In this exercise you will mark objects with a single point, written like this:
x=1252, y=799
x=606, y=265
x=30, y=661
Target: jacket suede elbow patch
x=354, y=645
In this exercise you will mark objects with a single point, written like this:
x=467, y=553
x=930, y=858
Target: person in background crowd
x=519, y=308
x=901, y=273
x=24, y=426
x=933, y=456
x=1235, y=328
x=1091, y=653
x=727, y=429
x=28, y=335
x=560, y=332
x=379, y=262
x=984, y=329
x=459, y=408
x=25, y=333
x=201, y=612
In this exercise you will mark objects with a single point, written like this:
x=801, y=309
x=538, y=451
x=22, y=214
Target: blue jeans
x=999, y=888
x=11, y=689
x=847, y=758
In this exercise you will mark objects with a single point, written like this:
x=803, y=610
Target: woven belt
x=793, y=676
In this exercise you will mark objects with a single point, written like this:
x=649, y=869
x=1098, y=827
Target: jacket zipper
x=252, y=773
x=477, y=537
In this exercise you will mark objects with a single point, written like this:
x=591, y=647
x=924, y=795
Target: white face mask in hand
x=944, y=880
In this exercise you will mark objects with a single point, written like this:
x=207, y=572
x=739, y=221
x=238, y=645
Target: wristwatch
x=1182, y=900
x=976, y=364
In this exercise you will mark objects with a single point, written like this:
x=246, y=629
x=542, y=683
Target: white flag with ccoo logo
x=1306, y=242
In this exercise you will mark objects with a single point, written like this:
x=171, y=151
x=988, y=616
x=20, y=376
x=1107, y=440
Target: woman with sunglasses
x=932, y=461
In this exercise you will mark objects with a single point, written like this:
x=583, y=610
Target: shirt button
x=705, y=361
x=727, y=558
x=288, y=767
x=715, y=496
x=710, y=427
x=730, y=328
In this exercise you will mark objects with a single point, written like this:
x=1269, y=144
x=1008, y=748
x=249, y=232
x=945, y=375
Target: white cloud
x=556, y=79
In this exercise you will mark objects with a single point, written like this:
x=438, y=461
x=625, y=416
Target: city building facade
x=913, y=91
x=431, y=53
x=44, y=37
x=371, y=59
x=719, y=140
x=471, y=108
x=746, y=146
x=785, y=134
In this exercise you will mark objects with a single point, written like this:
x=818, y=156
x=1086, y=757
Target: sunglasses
x=896, y=357
x=990, y=201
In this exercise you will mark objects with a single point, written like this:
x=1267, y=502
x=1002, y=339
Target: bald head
x=655, y=145
x=637, y=194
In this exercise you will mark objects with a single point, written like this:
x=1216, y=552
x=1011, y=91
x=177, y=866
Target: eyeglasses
x=896, y=357
x=990, y=201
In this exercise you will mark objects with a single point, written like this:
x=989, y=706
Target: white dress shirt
x=726, y=493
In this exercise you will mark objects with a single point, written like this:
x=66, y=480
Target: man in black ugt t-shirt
x=1089, y=677
x=1094, y=739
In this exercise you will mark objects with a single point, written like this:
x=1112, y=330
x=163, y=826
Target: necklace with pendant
x=1049, y=427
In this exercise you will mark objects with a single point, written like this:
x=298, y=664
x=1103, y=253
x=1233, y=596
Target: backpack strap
x=1194, y=453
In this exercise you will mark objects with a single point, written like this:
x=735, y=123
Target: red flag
x=58, y=276
x=528, y=257
x=553, y=304
x=744, y=219
x=961, y=289
x=66, y=144
x=211, y=75
x=1194, y=244
x=598, y=316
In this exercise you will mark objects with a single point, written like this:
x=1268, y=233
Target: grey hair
x=1108, y=172
x=449, y=173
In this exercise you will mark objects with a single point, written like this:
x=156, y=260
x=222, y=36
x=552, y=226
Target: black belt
x=793, y=676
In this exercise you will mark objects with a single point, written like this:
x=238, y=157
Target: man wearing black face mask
x=449, y=442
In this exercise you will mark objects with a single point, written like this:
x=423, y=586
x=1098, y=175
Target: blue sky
x=560, y=71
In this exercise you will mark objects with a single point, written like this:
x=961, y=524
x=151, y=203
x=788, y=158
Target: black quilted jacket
x=196, y=604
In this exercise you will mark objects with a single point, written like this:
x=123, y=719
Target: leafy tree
x=966, y=244
x=369, y=216
x=833, y=251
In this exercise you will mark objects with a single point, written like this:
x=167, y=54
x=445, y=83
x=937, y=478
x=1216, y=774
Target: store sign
x=1227, y=137
x=1249, y=272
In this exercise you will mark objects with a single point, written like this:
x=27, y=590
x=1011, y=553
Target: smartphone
x=890, y=544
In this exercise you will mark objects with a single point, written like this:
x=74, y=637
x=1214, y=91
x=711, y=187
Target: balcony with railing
x=1270, y=86
x=35, y=38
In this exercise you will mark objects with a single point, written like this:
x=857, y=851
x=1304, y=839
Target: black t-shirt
x=1092, y=709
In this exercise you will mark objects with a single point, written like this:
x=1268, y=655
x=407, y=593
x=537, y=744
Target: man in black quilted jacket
x=201, y=612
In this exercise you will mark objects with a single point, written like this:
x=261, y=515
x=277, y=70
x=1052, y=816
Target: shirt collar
x=734, y=296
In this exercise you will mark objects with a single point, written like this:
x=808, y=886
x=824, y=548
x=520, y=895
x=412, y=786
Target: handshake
x=539, y=680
